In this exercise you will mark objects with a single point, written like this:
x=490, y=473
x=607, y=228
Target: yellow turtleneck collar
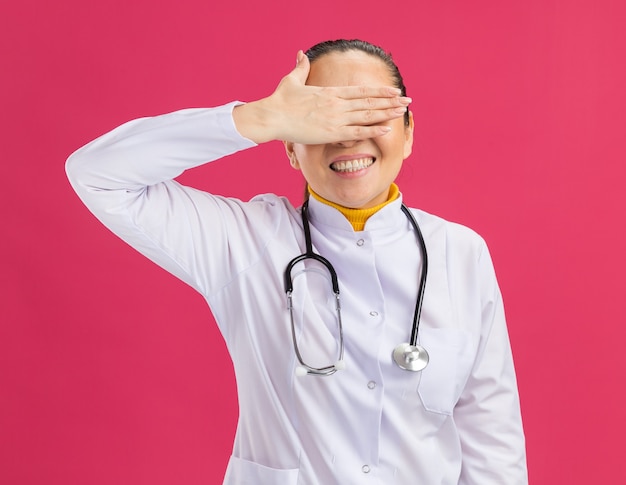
x=358, y=217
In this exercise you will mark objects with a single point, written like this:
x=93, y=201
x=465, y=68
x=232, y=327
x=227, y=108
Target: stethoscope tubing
x=424, y=273
x=404, y=351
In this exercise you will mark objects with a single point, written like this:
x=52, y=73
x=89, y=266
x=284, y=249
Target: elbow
x=72, y=167
x=84, y=170
x=76, y=172
x=83, y=174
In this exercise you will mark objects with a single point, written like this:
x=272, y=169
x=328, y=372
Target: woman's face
x=325, y=167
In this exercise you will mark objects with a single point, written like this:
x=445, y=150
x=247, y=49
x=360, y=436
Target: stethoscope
x=408, y=356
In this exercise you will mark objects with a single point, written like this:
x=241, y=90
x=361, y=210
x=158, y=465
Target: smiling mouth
x=355, y=165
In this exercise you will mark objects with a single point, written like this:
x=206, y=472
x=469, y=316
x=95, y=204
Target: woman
x=343, y=116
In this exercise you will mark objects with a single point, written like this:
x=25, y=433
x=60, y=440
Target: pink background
x=112, y=371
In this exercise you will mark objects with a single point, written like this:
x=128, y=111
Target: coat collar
x=388, y=217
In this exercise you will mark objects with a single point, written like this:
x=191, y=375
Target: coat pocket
x=244, y=472
x=451, y=357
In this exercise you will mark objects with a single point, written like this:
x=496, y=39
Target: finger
x=353, y=133
x=378, y=103
x=373, y=116
x=301, y=71
x=363, y=92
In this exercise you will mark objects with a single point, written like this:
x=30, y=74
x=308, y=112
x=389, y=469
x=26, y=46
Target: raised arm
x=125, y=177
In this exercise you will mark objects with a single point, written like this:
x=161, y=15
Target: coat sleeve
x=125, y=178
x=488, y=413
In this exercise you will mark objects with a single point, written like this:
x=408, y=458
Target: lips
x=353, y=165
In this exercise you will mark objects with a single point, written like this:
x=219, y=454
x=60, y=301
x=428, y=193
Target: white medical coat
x=456, y=422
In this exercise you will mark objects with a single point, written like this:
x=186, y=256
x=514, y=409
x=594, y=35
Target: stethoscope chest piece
x=410, y=357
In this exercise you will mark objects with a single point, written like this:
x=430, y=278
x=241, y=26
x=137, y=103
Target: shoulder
x=262, y=213
x=460, y=259
x=457, y=236
x=272, y=205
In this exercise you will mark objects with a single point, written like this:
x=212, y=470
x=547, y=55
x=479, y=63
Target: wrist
x=253, y=121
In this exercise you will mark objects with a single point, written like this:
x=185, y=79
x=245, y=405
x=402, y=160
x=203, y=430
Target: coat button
x=365, y=469
x=371, y=385
x=360, y=242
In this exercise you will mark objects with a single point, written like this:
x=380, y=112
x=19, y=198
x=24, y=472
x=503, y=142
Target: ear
x=408, y=136
x=291, y=154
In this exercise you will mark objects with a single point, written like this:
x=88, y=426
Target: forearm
x=256, y=121
x=147, y=151
x=489, y=420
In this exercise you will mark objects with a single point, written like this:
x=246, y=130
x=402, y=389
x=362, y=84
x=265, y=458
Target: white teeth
x=352, y=165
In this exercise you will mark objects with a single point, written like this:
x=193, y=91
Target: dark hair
x=343, y=45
